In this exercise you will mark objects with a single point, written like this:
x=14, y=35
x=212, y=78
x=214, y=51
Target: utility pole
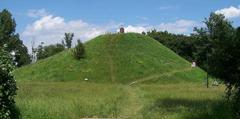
x=207, y=80
x=207, y=83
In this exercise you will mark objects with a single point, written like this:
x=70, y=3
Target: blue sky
x=47, y=20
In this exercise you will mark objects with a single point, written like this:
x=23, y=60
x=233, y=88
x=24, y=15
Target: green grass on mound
x=114, y=58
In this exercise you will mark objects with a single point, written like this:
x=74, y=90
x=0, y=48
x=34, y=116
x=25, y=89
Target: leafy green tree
x=79, y=51
x=220, y=34
x=68, y=37
x=8, y=87
x=11, y=39
x=47, y=51
x=223, y=55
x=236, y=82
x=40, y=52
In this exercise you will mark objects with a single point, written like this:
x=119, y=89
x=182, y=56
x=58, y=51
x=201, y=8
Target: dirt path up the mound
x=156, y=76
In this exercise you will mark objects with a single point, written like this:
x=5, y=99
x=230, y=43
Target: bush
x=79, y=51
x=8, y=87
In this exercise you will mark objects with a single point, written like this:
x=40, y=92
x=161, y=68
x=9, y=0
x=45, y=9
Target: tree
x=11, y=39
x=47, y=51
x=40, y=52
x=68, y=37
x=79, y=51
x=7, y=87
x=236, y=82
x=224, y=55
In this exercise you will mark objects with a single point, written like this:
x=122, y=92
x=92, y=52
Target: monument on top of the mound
x=121, y=29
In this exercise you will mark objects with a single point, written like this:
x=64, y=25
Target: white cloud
x=136, y=29
x=231, y=12
x=50, y=30
x=179, y=27
x=36, y=13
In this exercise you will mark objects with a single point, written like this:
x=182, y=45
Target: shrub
x=8, y=87
x=79, y=51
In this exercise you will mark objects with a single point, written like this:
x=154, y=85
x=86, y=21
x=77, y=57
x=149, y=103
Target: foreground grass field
x=74, y=100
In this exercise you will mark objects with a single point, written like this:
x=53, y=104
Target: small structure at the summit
x=121, y=29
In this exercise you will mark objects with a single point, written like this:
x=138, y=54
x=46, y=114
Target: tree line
x=46, y=51
x=43, y=52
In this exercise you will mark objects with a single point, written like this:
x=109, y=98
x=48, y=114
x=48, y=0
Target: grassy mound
x=117, y=58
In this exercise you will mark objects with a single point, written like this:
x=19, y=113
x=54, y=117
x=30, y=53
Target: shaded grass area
x=74, y=100
x=190, y=109
x=185, y=101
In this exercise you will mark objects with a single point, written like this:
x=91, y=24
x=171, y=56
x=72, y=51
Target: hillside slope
x=116, y=58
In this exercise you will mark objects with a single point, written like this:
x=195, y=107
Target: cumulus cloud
x=231, y=12
x=136, y=29
x=36, y=13
x=179, y=27
x=50, y=30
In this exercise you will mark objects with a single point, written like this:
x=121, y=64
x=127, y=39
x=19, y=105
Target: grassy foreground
x=74, y=100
